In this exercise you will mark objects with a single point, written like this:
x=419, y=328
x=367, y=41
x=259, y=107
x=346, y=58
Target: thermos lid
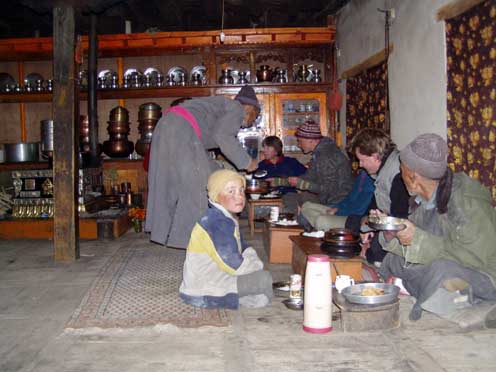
x=318, y=258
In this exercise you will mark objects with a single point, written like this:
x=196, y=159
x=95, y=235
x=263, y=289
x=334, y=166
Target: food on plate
x=371, y=291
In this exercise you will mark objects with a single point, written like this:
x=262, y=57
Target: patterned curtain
x=471, y=52
x=366, y=102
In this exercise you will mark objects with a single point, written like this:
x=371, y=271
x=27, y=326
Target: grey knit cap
x=247, y=96
x=426, y=155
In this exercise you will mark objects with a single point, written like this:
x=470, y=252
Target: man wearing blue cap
x=179, y=165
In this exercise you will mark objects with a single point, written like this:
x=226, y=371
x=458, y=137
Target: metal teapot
x=281, y=76
x=302, y=73
x=226, y=77
x=264, y=73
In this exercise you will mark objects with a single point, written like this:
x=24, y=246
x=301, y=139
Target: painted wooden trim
x=372, y=61
x=154, y=44
x=455, y=8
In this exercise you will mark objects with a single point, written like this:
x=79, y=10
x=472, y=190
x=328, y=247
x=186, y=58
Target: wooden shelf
x=107, y=164
x=24, y=165
x=25, y=97
x=303, y=113
x=175, y=91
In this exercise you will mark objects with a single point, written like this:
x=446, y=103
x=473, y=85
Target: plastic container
x=317, y=312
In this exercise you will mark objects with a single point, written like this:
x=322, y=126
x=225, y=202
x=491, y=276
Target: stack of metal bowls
x=118, y=146
x=84, y=133
x=148, y=115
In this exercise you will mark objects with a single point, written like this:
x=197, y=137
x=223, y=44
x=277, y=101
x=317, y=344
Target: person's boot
x=416, y=312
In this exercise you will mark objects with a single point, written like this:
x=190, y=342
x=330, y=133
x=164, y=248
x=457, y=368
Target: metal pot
x=257, y=186
x=341, y=243
x=339, y=235
x=118, y=149
x=21, y=152
x=149, y=110
x=119, y=114
x=264, y=73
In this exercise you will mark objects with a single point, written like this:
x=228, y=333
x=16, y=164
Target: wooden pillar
x=65, y=170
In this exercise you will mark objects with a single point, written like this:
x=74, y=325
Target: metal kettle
x=264, y=73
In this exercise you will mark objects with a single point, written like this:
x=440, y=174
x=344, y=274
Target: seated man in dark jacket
x=328, y=178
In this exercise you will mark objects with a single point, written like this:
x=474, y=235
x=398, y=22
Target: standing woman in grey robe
x=179, y=165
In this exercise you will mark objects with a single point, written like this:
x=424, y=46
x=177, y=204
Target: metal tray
x=353, y=294
x=387, y=223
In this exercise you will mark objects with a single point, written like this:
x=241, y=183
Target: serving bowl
x=353, y=293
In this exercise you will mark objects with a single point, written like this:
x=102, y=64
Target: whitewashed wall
x=417, y=66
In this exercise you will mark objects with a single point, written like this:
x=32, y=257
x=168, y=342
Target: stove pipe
x=92, y=100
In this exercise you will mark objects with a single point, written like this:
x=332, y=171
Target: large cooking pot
x=341, y=243
x=21, y=152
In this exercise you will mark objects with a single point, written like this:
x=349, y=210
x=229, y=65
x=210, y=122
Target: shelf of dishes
x=175, y=91
x=152, y=77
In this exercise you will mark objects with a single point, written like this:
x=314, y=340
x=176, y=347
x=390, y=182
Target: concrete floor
x=38, y=296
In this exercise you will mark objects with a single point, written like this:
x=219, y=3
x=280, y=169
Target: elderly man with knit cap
x=446, y=255
x=328, y=178
x=179, y=165
x=220, y=270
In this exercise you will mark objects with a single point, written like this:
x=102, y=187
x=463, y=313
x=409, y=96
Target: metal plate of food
x=387, y=223
x=371, y=293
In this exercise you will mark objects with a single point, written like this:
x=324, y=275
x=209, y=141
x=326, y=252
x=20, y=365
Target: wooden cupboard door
x=293, y=109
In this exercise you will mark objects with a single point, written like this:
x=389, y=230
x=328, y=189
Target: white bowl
x=255, y=196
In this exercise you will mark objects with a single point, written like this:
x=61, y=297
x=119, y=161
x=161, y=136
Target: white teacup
x=343, y=281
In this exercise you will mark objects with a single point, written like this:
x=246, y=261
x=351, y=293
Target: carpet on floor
x=137, y=287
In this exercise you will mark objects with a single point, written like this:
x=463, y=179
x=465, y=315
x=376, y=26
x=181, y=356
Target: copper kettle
x=264, y=73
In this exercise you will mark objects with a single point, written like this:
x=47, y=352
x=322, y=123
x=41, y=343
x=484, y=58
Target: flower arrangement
x=137, y=216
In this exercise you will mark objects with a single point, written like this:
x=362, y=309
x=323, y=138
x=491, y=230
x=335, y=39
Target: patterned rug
x=138, y=287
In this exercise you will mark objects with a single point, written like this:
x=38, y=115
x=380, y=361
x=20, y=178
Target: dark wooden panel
x=64, y=136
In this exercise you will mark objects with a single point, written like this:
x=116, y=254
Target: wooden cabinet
x=243, y=49
x=294, y=109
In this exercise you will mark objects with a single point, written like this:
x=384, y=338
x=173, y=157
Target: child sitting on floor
x=220, y=270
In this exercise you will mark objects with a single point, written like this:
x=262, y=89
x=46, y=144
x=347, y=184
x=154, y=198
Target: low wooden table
x=277, y=243
x=273, y=202
x=305, y=246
